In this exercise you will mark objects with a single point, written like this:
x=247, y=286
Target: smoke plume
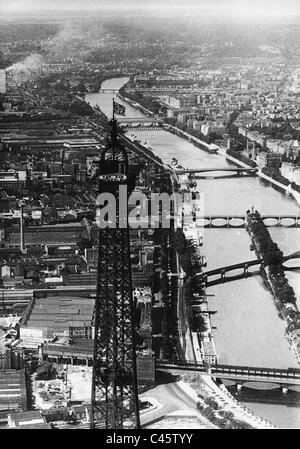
x=27, y=69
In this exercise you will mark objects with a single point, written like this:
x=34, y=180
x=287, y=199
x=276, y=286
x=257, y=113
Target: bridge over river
x=139, y=120
x=103, y=91
x=149, y=126
x=238, y=170
x=240, y=221
x=240, y=374
x=141, y=123
x=243, y=266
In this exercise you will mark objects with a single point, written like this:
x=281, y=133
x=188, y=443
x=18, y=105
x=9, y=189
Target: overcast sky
x=236, y=7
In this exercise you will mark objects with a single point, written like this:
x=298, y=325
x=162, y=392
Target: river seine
x=247, y=330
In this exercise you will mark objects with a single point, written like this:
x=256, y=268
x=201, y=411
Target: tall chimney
x=22, y=237
x=62, y=157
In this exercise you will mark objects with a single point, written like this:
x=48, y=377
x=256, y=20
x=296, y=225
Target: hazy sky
x=272, y=8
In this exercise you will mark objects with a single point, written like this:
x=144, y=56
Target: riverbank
x=222, y=151
x=138, y=106
x=219, y=406
x=259, y=173
x=288, y=190
x=275, y=279
x=213, y=149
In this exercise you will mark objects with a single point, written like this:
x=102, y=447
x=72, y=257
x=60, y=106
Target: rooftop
x=28, y=420
x=12, y=390
x=58, y=312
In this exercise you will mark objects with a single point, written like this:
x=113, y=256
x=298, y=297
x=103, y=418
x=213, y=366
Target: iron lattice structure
x=114, y=386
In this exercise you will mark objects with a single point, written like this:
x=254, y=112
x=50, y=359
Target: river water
x=248, y=329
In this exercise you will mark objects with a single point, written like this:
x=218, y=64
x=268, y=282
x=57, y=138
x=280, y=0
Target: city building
x=291, y=172
x=13, y=181
x=270, y=160
x=56, y=317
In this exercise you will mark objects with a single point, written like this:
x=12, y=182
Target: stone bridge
x=240, y=221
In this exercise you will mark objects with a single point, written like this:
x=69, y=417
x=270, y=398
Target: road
x=174, y=400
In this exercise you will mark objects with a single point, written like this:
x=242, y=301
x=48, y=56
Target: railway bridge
x=242, y=266
x=240, y=374
x=149, y=126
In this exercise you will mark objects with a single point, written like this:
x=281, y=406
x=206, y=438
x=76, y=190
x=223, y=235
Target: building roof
x=58, y=313
x=12, y=390
x=28, y=420
x=43, y=425
x=78, y=349
x=26, y=416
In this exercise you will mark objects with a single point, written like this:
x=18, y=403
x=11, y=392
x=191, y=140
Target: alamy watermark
x=157, y=210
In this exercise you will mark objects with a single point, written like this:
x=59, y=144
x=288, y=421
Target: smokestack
x=62, y=161
x=22, y=237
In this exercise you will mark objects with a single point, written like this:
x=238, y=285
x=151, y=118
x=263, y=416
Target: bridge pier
x=246, y=267
x=279, y=221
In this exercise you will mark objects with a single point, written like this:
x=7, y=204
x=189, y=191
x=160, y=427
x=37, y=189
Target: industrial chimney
x=22, y=236
x=62, y=158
